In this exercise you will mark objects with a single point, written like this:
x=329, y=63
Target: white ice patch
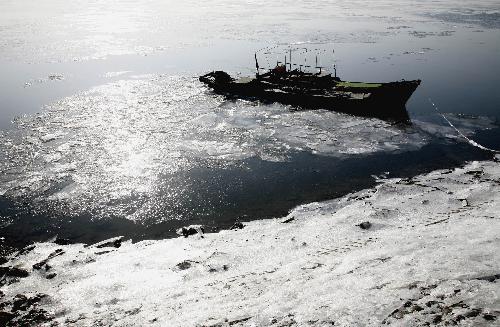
x=116, y=74
x=50, y=137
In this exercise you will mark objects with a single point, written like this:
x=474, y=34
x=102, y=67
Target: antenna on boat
x=256, y=64
x=290, y=58
x=334, y=65
x=320, y=68
x=305, y=61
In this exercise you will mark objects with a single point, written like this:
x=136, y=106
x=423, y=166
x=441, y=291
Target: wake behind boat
x=317, y=91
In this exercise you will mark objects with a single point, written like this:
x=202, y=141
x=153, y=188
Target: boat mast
x=256, y=64
x=305, y=61
x=334, y=65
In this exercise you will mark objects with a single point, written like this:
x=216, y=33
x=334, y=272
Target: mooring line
x=472, y=142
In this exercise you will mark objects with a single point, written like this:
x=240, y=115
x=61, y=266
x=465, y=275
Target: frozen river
x=105, y=130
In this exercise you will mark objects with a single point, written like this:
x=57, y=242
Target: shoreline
x=317, y=178
x=429, y=256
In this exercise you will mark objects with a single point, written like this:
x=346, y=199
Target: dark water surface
x=105, y=130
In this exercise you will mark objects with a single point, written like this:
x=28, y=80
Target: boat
x=316, y=90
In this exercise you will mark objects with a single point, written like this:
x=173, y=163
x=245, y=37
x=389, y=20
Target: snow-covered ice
x=430, y=256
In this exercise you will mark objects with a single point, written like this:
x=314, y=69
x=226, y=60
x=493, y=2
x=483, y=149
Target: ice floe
x=119, y=138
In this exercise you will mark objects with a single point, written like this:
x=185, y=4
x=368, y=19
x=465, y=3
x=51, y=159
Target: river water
x=105, y=130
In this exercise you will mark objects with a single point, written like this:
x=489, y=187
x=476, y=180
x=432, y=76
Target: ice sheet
x=101, y=148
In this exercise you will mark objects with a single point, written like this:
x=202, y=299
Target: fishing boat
x=316, y=90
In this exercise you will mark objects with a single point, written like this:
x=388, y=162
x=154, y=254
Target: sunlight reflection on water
x=118, y=148
x=152, y=148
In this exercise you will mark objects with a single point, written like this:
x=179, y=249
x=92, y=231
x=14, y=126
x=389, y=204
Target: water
x=105, y=129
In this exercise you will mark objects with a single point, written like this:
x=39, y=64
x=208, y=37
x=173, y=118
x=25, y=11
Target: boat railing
x=288, y=64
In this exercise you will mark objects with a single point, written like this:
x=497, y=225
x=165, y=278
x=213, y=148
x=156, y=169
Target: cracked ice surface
x=431, y=255
x=114, y=143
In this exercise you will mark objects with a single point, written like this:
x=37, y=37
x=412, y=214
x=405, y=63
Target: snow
x=433, y=240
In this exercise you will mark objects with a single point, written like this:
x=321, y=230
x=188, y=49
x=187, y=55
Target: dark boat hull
x=387, y=101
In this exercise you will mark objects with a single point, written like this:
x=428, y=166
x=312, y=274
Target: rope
x=472, y=142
